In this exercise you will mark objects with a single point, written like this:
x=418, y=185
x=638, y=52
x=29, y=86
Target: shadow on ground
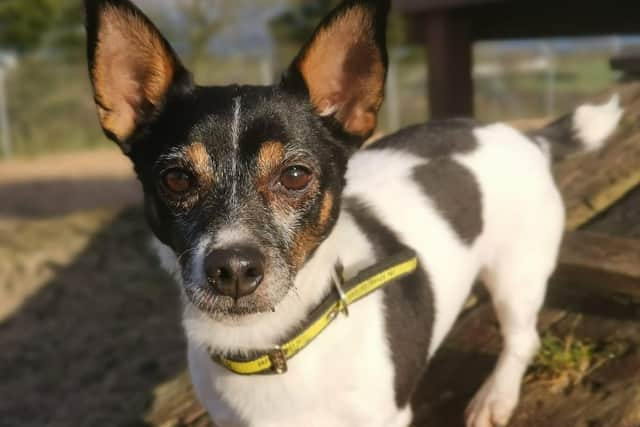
x=54, y=197
x=88, y=348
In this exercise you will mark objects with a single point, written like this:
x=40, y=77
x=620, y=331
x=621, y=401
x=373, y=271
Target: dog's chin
x=224, y=308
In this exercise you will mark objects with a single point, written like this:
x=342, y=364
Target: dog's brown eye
x=295, y=177
x=177, y=181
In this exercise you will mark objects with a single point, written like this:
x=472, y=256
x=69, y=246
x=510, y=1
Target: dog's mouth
x=219, y=306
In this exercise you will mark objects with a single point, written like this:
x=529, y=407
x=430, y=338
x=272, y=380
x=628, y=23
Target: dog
x=319, y=278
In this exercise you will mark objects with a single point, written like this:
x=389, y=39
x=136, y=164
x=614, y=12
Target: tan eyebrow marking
x=198, y=156
x=310, y=236
x=325, y=210
x=270, y=157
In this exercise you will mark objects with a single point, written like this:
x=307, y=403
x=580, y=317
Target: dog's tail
x=585, y=129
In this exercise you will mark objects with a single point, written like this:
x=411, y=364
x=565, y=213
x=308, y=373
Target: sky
x=246, y=32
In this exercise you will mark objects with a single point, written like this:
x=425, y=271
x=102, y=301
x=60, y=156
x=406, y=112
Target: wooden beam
x=591, y=183
x=545, y=18
x=425, y=5
x=499, y=20
x=600, y=263
x=449, y=56
x=175, y=404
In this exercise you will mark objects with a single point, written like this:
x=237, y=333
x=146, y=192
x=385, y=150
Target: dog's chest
x=337, y=380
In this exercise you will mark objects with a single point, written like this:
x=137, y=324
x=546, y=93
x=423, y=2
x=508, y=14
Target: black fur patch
x=409, y=306
x=450, y=185
x=560, y=136
x=456, y=195
x=439, y=138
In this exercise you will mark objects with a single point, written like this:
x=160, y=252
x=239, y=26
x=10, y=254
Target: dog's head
x=242, y=182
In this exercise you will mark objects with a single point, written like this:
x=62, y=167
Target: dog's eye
x=295, y=177
x=177, y=181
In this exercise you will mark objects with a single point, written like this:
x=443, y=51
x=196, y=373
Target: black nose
x=235, y=272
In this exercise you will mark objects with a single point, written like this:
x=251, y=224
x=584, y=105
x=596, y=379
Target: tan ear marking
x=344, y=70
x=132, y=70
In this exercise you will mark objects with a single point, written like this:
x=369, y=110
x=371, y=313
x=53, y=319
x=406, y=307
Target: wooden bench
x=448, y=28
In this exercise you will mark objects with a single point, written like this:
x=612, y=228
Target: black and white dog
x=259, y=194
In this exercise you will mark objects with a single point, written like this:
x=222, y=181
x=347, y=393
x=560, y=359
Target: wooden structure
x=449, y=28
x=628, y=63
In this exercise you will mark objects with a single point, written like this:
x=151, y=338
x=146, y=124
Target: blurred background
x=90, y=326
x=45, y=102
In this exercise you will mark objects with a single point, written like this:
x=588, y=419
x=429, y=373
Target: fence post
x=5, y=131
x=265, y=65
x=550, y=98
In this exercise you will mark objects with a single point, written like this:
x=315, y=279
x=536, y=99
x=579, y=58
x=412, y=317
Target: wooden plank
x=600, y=263
x=627, y=62
x=175, y=404
x=546, y=18
x=499, y=20
x=428, y=5
x=591, y=183
x=449, y=55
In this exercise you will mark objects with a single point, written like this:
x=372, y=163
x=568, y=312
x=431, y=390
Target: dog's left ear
x=343, y=67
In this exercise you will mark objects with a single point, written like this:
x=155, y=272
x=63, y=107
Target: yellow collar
x=274, y=361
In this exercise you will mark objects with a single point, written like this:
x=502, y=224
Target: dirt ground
x=89, y=326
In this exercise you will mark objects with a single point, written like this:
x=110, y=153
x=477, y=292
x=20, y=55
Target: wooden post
x=449, y=55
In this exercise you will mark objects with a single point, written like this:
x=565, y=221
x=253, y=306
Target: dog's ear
x=132, y=68
x=343, y=67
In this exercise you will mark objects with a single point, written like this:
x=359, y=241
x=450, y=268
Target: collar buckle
x=278, y=360
x=343, y=305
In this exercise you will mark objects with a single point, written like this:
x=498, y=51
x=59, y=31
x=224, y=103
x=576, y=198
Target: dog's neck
x=312, y=284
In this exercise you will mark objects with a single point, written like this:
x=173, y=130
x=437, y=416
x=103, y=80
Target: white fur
x=345, y=377
x=235, y=137
x=354, y=384
x=593, y=123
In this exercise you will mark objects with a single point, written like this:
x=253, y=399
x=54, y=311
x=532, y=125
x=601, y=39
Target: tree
x=22, y=23
x=204, y=19
x=25, y=24
x=296, y=24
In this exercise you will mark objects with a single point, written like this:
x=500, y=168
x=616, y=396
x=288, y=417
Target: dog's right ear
x=132, y=68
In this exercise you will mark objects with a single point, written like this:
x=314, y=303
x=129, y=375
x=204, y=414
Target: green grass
x=565, y=361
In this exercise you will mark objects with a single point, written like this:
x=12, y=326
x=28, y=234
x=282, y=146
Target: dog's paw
x=492, y=406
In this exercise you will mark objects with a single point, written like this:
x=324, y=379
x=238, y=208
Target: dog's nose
x=235, y=272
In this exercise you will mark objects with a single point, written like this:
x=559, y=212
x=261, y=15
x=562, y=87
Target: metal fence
x=46, y=105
